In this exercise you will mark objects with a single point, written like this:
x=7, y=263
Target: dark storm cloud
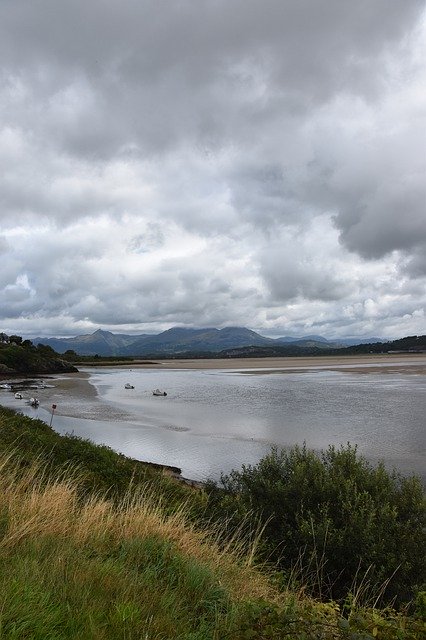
x=155, y=73
x=415, y=267
x=376, y=188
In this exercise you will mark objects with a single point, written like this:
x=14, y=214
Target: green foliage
x=332, y=520
x=24, y=358
x=314, y=621
x=420, y=606
x=70, y=355
x=46, y=350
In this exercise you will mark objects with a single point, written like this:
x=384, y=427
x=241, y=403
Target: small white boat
x=18, y=395
x=6, y=385
x=157, y=392
x=34, y=402
x=128, y=386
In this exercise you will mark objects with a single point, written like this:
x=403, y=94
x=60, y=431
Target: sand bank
x=404, y=363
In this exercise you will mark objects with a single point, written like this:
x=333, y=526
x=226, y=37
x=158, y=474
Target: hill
x=409, y=344
x=19, y=356
x=178, y=340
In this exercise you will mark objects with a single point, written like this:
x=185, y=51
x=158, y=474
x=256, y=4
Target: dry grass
x=36, y=507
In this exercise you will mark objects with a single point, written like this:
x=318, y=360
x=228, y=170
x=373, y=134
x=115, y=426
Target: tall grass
x=74, y=568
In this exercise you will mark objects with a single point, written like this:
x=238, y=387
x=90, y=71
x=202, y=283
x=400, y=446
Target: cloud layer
x=213, y=163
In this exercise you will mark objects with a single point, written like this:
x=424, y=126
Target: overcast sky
x=211, y=163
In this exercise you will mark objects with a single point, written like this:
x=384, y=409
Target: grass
x=100, y=468
x=135, y=563
x=76, y=568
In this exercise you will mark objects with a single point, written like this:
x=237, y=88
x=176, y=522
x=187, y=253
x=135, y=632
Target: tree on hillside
x=70, y=354
x=46, y=350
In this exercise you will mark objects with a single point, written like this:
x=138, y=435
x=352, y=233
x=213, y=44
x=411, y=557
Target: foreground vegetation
x=114, y=549
x=332, y=521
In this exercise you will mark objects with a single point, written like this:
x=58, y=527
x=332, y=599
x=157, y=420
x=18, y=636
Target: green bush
x=332, y=519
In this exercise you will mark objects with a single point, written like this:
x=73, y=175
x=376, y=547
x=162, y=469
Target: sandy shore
x=404, y=363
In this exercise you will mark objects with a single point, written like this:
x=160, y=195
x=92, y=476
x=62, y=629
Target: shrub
x=341, y=524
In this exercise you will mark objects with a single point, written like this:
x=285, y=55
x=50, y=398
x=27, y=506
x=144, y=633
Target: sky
x=212, y=163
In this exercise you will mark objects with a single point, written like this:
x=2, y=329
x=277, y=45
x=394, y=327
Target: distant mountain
x=349, y=342
x=303, y=339
x=173, y=341
x=178, y=340
x=409, y=344
x=321, y=342
x=103, y=343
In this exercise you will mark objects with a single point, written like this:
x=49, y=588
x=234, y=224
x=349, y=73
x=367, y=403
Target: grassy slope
x=75, y=563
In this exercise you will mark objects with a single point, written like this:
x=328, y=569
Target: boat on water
x=18, y=395
x=128, y=386
x=157, y=392
x=6, y=385
x=34, y=402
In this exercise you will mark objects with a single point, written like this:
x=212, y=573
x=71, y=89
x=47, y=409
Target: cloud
x=212, y=163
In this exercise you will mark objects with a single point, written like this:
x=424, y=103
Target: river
x=212, y=421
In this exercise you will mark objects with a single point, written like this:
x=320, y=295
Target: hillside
x=22, y=357
x=97, y=546
x=409, y=344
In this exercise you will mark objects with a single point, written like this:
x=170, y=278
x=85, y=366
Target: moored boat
x=157, y=392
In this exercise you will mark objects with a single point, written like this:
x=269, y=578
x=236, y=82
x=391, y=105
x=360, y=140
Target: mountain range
x=182, y=340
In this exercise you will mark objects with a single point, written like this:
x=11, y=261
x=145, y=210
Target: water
x=213, y=421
